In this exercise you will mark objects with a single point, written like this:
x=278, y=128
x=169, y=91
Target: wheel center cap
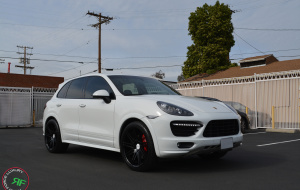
x=138, y=146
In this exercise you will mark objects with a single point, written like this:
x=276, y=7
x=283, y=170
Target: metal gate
x=15, y=106
x=40, y=97
x=23, y=106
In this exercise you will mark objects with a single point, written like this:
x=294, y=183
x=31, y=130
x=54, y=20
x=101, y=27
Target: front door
x=96, y=118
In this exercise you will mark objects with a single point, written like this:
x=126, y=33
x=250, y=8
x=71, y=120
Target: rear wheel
x=53, y=139
x=137, y=147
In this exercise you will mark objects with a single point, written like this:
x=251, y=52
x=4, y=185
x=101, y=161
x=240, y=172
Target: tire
x=53, y=139
x=244, y=125
x=137, y=147
x=213, y=156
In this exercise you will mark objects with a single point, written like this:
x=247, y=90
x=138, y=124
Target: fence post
x=273, y=117
x=255, y=91
x=33, y=118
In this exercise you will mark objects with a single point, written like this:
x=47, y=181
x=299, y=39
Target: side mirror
x=102, y=94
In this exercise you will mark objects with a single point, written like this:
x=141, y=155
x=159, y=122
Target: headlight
x=173, y=110
x=232, y=109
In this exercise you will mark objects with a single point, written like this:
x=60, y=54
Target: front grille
x=184, y=128
x=219, y=128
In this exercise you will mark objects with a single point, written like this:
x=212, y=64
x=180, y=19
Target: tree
x=180, y=78
x=159, y=74
x=211, y=31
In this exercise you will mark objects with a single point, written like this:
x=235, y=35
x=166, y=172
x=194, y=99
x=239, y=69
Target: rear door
x=67, y=108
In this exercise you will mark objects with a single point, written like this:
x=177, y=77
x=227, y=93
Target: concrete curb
x=283, y=130
x=22, y=126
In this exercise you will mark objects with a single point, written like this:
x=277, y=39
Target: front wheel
x=53, y=139
x=137, y=147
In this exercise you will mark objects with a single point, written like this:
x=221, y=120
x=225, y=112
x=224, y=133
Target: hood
x=191, y=103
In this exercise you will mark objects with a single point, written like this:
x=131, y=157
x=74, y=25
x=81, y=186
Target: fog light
x=185, y=144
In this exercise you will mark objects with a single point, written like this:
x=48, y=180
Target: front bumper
x=168, y=144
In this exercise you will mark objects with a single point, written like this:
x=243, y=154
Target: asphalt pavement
x=265, y=161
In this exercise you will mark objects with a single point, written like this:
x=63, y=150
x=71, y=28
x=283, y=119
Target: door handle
x=58, y=105
x=82, y=105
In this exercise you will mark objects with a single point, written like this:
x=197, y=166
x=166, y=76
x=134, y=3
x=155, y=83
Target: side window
x=75, y=90
x=129, y=89
x=63, y=91
x=97, y=83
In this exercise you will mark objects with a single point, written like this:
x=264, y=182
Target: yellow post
x=273, y=117
x=247, y=110
x=33, y=118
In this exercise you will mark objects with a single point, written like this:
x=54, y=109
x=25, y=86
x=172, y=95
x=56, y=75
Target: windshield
x=134, y=85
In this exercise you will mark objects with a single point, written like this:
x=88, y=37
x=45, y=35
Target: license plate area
x=226, y=143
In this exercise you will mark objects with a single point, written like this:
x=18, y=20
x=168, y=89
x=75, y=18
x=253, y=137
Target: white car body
x=95, y=123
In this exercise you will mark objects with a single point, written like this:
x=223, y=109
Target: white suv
x=140, y=117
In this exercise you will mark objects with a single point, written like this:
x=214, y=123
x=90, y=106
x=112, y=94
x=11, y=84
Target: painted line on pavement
x=279, y=142
x=255, y=133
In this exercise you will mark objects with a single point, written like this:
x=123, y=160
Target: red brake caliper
x=144, y=142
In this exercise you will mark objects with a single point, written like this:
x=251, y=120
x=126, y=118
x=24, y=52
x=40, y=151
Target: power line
x=159, y=57
x=154, y=29
x=266, y=51
x=275, y=56
x=68, y=69
x=54, y=27
x=125, y=68
x=247, y=42
x=61, y=61
x=271, y=29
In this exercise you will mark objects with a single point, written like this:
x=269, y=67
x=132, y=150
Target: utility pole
x=101, y=20
x=25, y=60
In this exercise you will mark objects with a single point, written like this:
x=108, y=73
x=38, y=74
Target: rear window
x=63, y=91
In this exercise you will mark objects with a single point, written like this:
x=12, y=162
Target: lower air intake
x=219, y=128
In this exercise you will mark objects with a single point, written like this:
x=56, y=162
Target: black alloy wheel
x=244, y=125
x=53, y=139
x=137, y=147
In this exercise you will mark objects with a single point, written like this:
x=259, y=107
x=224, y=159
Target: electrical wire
x=61, y=61
x=247, y=42
x=126, y=68
x=271, y=29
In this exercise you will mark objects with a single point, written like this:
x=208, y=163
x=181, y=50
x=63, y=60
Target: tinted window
x=76, y=89
x=133, y=85
x=96, y=83
x=63, y=91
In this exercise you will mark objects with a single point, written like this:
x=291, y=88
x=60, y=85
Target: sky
x=143, y=38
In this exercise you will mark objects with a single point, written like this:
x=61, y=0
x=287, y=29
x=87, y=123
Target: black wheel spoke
x=128, y=145
x=138, y=155
x=129, y=153
x=130, y=138
x=133, y=157
x=142, y=153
